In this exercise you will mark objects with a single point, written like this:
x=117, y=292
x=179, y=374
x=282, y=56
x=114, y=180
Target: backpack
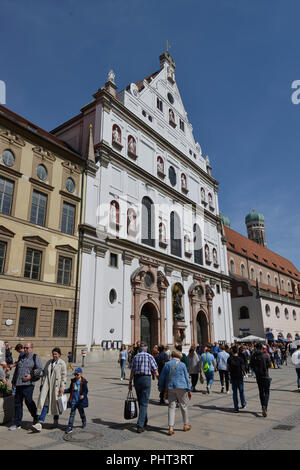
x=206, y=365
x=235, y=367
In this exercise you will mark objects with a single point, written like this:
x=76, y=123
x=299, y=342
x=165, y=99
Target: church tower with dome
x=255, y=223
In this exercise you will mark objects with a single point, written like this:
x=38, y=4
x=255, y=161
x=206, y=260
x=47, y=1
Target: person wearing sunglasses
x=78, y=400
x=27, y=371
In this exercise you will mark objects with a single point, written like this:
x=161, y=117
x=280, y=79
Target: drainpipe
x=78, y=268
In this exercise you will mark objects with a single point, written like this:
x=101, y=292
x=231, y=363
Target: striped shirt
x=143, y=364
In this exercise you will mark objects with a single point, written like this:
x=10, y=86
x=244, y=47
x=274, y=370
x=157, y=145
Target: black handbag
x=130, y=406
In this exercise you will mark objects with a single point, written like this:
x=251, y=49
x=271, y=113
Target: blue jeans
x=142, y=385
x=123, y=364
x=73, y=412
x=264, y=390
x=209, y=377
x=44, y=412
x=238, y=385
x=24, y=392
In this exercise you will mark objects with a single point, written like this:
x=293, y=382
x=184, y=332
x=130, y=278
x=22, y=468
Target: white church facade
x=153, y=251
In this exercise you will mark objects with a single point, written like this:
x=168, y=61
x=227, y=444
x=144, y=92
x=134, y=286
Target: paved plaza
x=214, y=424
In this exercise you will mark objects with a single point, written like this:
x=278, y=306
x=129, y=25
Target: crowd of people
x=52, y=378
x=178, y=373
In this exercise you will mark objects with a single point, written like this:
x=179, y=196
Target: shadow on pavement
x=226, y=410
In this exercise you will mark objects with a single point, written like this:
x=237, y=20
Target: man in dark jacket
x=28, y=369
x=260, y=363
x=161, y=359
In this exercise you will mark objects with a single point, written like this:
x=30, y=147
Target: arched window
x=294, y=315
x=269, y=279
x=277, y=312
x=260, y=277
x=244, y=313
x=252, y=274
x=276, y=282
x=175, y=229
x=232, y=267
x=268, y=310
x=243, y=271
x=148, y=218
x=282, y=284
x=198, y=250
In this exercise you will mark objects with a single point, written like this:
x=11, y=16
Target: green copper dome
x=225, y=220
x=254, y=217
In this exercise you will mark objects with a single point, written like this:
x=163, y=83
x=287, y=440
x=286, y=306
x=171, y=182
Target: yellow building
x=41, y=181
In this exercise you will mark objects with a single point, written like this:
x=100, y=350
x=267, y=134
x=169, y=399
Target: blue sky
x=235, y=63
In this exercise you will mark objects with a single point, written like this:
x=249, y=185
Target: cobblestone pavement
x=214, y=424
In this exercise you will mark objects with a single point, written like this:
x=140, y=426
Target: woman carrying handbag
x=53, y=385
x=175, y=381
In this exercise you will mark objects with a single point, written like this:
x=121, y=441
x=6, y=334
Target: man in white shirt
x=222, y=368
x=296, y=362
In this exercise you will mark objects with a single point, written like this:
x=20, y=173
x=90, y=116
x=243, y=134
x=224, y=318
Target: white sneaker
x=37, y=427
x=228, y=392
x=14, y=427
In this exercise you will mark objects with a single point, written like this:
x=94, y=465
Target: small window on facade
x=144, y=113
x=27, y=322
x=38, y=208
x=3, y=248
x=240, y=291
x=8, y=158
x=286, y=313
x=244, y=313
x=113, y=260
x=64, y=271
x=60, y=326
x=243, y=271
x=68, y=218
x=277, y=312
x=218, y=289
x=181, y=125
x=41, y=172
x=294, y=315
x=150, y=118
x=33, y=263
x=159, y=104
x=232, y=267
x=70, y=185
x=252, y=274
x=112, y=296
x=6, y=195
x=268, y=310
x=260, y=277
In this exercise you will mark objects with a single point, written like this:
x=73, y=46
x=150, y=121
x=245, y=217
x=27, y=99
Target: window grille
x=60, y=326
x=27, y=322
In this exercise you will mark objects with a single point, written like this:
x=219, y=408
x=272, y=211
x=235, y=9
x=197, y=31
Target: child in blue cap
x=78, y=398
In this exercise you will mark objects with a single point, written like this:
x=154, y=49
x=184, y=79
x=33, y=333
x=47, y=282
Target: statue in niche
x=131, y=145
x=183, y=181
x=207, y=254
x=160, y=165
x=162, y=233
x=210, y=201
x=177, y=304
x=202, y=195
x=171, y=116
x=215, y=256
x=187, y=244
x=131, y=221
x=114, y=212
x=116, y=134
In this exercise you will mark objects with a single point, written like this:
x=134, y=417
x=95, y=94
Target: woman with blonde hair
x=174, y=380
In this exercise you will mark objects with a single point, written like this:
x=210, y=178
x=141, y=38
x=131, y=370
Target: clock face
x=70, y=185
x=41, y=172
x=170, y=98
x=172, y=176
x=8, y=158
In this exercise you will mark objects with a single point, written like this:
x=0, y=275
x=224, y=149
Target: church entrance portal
x=149, y=326
x=202, y=328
